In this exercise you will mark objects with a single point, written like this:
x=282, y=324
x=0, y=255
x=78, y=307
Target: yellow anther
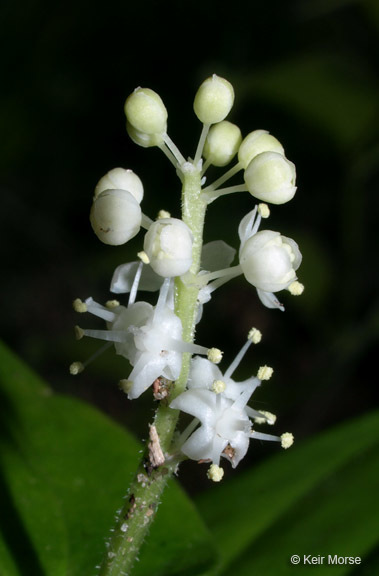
x=144, y=257
x=112, y=304
x=254, y=335
x=163, y=214
x=214, y=355
x=218, y=386
x=125, y=385
x=265, y=373
x=76, y=368
x=215, y=473
x=268, y=418
x=79, y=305
x=264, y=210
x=79, y=332
x=296, y=288
x=286, y=440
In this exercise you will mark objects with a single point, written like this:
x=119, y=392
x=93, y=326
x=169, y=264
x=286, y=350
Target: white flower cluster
x=151, y=337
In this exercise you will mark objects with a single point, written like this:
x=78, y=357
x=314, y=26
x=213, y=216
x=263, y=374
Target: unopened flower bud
x=146, y=112
x=271, y=177
x=214, y=100
x=121, y=179
x=255, y=143
x=115, y=216
x=168, y=245
x=269, y=260
x=222, y=143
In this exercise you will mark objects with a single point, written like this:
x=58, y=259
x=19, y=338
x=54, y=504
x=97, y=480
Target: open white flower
x=149, y=337
x=219, y=404
x=269, y=260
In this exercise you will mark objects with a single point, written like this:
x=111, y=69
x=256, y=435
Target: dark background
x=307, y=71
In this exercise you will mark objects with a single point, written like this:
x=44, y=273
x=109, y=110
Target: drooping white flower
x=269, y=260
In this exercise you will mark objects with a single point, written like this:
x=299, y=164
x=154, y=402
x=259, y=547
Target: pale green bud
x=214, y=100
x=145, y=111
x=115, y=216
x=120, y=179
x=143, y=139
x=222, y=143
x=255, y=143
x=271, y=177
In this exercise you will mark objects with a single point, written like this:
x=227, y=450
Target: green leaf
x=318, y=498
x=65, y=469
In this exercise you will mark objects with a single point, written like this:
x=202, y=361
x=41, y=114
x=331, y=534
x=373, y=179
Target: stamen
x=264, y=210
x=214, y=355
x=296, y=288
x=265, y=418
x=79, y=306
x=218, y=386
x=163, y=214
x=255, y=335
x=238, y=359
x=215, y=473
x=99, y=310
x=265, y=373
x=112, y=304
x=79, y=332
x=109, y=335
x=262, y=436
x=287, y=440
x=76, y=368
x=143, y=257
x=134, y=288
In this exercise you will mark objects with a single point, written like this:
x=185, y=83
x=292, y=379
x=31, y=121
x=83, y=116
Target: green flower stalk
x=158, y=341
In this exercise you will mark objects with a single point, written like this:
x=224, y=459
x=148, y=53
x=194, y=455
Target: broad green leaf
x=65, y=469
x=317, y=496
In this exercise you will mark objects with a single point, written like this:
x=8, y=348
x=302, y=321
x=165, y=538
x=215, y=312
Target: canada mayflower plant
x=157, y=341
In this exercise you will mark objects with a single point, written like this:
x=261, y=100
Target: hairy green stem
x=156, y=466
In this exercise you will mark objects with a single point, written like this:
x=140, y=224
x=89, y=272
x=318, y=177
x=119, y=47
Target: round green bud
x=271, y=177
x=222, y=143
x=214, y=100
x=121, y=179
x=255, y=143
x=115, y=216
x=145, y=111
